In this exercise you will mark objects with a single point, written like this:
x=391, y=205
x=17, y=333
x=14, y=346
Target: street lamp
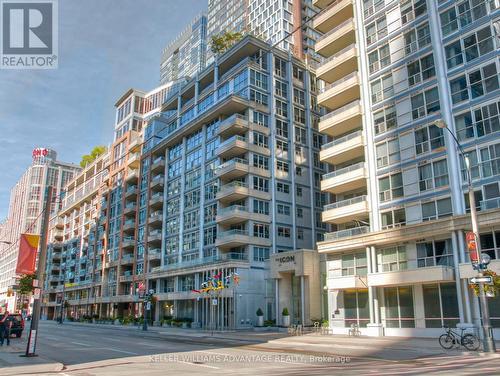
x=482, y=260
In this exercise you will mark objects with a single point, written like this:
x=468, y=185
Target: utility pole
x=42, y=258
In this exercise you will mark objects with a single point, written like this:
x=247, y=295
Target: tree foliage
x=26, y=284
x=94, y=154
x=222, y=42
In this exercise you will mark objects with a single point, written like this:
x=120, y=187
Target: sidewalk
x=11, y=363
x=388, y=348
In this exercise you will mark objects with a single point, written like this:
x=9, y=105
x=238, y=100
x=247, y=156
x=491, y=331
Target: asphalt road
x=93, y=350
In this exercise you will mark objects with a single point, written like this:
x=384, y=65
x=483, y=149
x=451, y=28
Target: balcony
x=237, y=214
x=238, y=238
x=355, y=231
x=492, y=203
x=347, y=282
x=128, y=242
x=130, y=209
x=340, y=92
x=157, y=182
x=156, y=200
x=238, y=190
x=233, y=169
x=132, y=175
x=343, y=149
x=158, y=165
x=234, y=125
x=155, y=218
x=134, y=160
x=336, y=39
x=346, y=210
x=129, y=226
x=432, y=274
x=344, y=119
x=339, y=65
x=345, y=179
x=332, y=14
x=234, y=146
x=131, y=192
x=154, y=236
x=135, y=144
x=154, y=254
x=127, y=260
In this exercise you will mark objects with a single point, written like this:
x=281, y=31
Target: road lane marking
x=196, y=364
x=120, y=351
x=81, y=344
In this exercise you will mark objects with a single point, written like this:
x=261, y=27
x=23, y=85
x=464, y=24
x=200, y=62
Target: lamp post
x=482, y=262
x=61, y=317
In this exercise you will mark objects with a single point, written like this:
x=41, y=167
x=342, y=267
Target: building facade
x=397, y=262
x=27, y=202
x=228, y=178
x=186, y=55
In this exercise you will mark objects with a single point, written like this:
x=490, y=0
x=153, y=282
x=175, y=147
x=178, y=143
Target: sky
x=105, y=48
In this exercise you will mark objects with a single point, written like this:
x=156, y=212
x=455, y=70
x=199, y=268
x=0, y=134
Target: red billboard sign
x=470, y=238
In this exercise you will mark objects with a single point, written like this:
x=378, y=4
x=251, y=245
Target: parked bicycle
x=452, y=338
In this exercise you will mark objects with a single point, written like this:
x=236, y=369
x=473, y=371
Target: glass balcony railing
x=341, y=140
x=228, y=233
x=345, y=170
x=343, y=203
x=233, y=209
x=492, y=203
x=233, y=162
x=347, y=233
x=232, y=139
x=334, y=30
x=339, y=82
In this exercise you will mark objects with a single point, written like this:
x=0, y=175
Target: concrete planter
x=286, y=321
x=260, y=321
x=184, y=325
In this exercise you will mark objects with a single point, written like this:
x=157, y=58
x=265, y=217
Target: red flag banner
x=28, y=246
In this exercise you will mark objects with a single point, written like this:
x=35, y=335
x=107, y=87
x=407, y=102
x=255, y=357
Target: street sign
x=35, y=283
x=36, y=293
x=214, y=302
x=486, y=279
x=148, y=306
x=470, y=238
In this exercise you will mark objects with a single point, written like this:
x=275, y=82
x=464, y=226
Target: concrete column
x=277, y=297
x=302, y=301
x=456, y=262
x=369, y=263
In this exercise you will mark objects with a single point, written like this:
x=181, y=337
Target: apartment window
x=191, y=219
x=421, y=70
x=458, y=87
x=258, y=79
x=425, y=103
x=379, y=59
x=300, y=234
x=382, y=89
x=433, y=175
x=350, y=264
x=300, y=135
x=472, y=46
x=194, y=140
x=283, y=188
x=261, y=207
x=411, y=9
x=209, y=235
x=481, y=82
x=436, y=209
x=392, y=259
x=281, y=147
x=418, y=38
x=193, y=159
x=281, y=108
x=298, y=170
x=211, y=190
x=282, y=166
x=376, y=30
x=298, y=191
x=388, y=153
x=300, y=213
x=440, y=305
x=284, y=232
x=209, y=213
x=192, y=179
x=261, y=254
x=299, y=115
x=434, y=253
x=299, y=97
x=258, y=97
x=260, y=140
x=260, y=161
x=281, y=128
x=261, y=230
x=280, y=67
x=490, y=160
x=174, y=168
x=260, y=184
x=390, y=187
x=260, y=118
x=191, y=199
x=281, y=89
x=298, y=73
x=393, y=218
x=283, y=209
x=428, y=138
x=399, y=312
x=173, y=187
x=356, y=308
x=487, y=119
x=462, y=14
x=385, y=119
x=175, y=152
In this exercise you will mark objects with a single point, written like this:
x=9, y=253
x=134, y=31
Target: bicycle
x=451, y=338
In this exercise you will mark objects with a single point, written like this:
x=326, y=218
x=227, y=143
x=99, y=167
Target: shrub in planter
x=260, y=317
x=270, y=323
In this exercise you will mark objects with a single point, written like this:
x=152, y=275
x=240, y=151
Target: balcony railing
x=225, y=234
x=205, y=260
x=338, y=54
x=347, y=233
x=493, y=203
x=334, y=30
x=343, y=203
x=232, y=209
x=231, y=119
x=233, y=161
x=344, y=170
x=341, y=140
x=339, y=82
x=232, y=139
x=233, y=185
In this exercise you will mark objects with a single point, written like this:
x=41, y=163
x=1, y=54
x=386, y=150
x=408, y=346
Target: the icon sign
x=28, y=34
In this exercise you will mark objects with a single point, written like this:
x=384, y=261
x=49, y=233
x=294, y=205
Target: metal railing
x=335, y=29
x=339, y=82
x=347, y=233
x=342, y=139
x=345, y=170
x=340, y=204
x=492, y=203
x=338, y=54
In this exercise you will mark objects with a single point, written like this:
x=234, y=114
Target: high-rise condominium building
x=27, y=202
x=397, y=263
x=227, y=184
x=185, y=55
x=277, y=22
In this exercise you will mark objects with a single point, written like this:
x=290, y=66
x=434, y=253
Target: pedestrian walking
x=5, y=329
